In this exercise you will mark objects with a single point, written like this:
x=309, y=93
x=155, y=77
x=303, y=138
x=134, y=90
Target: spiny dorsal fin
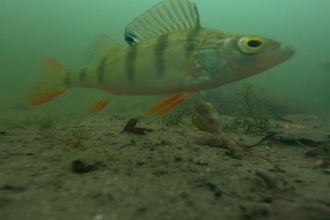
x=101, y=47
x=167, y=16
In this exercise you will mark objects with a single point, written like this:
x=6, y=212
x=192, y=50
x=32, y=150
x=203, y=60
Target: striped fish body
x=169, y=54
x=185, y=60
x=160, y=65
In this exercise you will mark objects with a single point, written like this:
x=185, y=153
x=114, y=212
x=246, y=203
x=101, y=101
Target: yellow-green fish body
x=169, y=54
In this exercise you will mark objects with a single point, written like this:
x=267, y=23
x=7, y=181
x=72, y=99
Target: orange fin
x=98, y=106
x=169, y=104
x=50, y=86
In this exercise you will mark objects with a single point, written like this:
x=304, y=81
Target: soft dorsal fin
x=165, y=17
x=101, y=47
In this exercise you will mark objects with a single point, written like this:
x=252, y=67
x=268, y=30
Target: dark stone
x=79, y=166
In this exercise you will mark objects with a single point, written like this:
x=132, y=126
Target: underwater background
x=249, y=150
x=34, y=30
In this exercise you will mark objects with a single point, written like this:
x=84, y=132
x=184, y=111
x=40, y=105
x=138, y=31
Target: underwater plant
x=231, y=152
x=256, y=117
x=176, y=118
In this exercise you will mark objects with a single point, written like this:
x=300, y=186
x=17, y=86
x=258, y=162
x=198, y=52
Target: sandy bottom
x=68, y=166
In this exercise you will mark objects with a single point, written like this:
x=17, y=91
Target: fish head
x=231, y=58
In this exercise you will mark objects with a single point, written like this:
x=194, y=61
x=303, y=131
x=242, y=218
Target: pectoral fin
x=101, y=104
x=165, y=106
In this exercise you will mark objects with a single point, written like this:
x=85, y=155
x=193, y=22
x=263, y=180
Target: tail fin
x=51, y=84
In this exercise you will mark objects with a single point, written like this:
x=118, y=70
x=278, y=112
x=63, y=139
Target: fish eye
x=254, y=43
x=250, y=44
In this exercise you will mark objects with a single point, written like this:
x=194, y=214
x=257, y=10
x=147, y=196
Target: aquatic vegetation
x=209, y=119
x=231, y=152
x=77, y=142
x=256, y=111
x=176, y=118
x=257, y=115
x=74, y=141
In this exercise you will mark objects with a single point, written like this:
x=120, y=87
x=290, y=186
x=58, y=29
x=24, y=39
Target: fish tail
x=51, y=85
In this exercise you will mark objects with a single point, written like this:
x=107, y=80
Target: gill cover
x=251, y=44
x=210, y=60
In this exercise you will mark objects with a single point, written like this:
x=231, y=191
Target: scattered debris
x=317, y=152
x=212, y=141
x=280, y=118
x=298, y=134
x=78, y=142
x=208, y=117
x=269, y=181
x=132, y=143
x=75, y=141
x=322, y=162
x=166, y=143
x=207, y=111
x=326, y=171
x=107, y=155
x=80, y=166
x=269, y=135
x=304, y=136
x=13, y=188
x=130, y=127
x=204, y=125
x=232, y=153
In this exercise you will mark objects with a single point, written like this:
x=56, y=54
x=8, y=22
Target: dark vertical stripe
x=190, y=43
x=67, y=78
x=160, y=53
x=100, y=70
x=82, y=75
x=130, y=61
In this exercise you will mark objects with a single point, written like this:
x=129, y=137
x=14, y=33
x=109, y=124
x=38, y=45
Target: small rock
x=326, y=171
x=212, y=141
x=178, y=158
x=79, y=166
x=98, y=217
x=140, y=162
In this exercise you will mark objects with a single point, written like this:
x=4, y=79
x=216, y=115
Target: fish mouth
x=274, y=57
x=287, y=52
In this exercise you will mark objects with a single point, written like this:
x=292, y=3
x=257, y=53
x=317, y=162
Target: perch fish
x=168, y=54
